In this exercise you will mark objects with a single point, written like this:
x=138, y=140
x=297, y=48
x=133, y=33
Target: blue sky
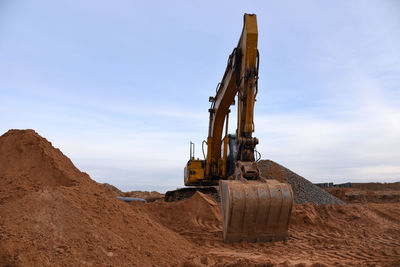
x=121, y=87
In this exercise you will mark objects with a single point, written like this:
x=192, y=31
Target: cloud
x=356, y=137
x=123, y=101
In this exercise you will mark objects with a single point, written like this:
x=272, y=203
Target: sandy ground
x=357, y=195
x=335, y=235
x=149, y=196
x=52, y=214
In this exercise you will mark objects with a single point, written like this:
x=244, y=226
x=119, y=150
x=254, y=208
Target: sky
x=122, y=87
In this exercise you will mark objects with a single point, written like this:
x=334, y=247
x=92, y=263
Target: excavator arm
x=240, y=78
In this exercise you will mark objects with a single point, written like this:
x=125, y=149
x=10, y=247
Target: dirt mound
x=377, y=186
x=319, y=235
x=53, y=214
x=356, y=195
x=56, y=215
x=198, y=214
x=113, y=189
x=26, y=160
x=304, y=191
x=146, y=195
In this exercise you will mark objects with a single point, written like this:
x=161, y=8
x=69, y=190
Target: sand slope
x=324, y=235
x=53, y=214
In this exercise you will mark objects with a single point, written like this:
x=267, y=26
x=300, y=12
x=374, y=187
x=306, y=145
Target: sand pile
x=304, y=191
x=357, y=195
x=189, y=217
x=149, y=196
x=146, y=195
x=53, y=214
x=319, y=235
x=113, y=189
x=377, y=186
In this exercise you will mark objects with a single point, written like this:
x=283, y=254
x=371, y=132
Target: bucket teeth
x=255, y=211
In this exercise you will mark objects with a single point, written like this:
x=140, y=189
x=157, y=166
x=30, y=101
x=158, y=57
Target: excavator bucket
x=255, y=211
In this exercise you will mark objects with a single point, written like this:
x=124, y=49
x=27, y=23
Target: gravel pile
x=304, y=191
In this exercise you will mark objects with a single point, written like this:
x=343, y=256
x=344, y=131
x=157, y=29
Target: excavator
x=253, y=209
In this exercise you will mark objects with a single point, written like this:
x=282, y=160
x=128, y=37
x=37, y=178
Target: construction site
x=234, y=206
x=52, y=214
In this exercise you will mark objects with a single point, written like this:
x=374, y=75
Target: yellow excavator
x=253, y=209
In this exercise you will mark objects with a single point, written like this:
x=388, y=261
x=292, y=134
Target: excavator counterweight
x=253, y=209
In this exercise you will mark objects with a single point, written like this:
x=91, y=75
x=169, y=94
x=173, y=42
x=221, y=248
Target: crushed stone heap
x=52, y=214
x=304, y=191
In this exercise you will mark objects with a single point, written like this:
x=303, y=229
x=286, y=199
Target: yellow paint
x=214, y=167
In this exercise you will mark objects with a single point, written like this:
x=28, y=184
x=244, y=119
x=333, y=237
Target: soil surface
x=51, y=214
x=325, y=235
x=146, y=195
x=357, y=195
x=377, y=186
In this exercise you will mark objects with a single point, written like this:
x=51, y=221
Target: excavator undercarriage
x=253, y=209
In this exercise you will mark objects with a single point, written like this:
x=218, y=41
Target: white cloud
x=127, y=117
x=361, y=144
